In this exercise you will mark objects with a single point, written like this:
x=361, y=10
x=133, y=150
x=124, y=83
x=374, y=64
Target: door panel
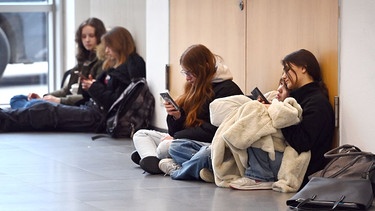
x=217, y=24
x=277, y=28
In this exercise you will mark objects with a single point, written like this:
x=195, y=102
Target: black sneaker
x=135, y=157
x=151, y=165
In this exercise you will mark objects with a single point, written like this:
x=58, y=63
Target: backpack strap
x=93, y=138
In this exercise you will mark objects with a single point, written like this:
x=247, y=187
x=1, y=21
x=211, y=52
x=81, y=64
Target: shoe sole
x=151, y=165
x=205, y=177
x=135, y=157
x=253, y=187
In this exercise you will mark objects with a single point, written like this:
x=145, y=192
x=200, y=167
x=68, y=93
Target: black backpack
x=132, y=111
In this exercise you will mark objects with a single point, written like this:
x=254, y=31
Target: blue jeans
x=192, y=156
x=261, y=167
x=21, y=101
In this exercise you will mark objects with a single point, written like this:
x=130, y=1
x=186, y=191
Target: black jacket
x=206, y=131
x=315, y=131
x=110, y=84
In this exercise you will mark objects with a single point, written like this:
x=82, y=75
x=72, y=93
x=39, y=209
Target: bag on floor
x=132, y=111
x=322, y=193
x=348, y=161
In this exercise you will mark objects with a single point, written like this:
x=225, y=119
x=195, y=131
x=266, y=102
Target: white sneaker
x=245, y=183
x=167, y=165
x=206, y=175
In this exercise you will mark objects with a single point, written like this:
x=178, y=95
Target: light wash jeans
x=150, y=143
x=21, y=101
x=192, y=156
x=261, y=167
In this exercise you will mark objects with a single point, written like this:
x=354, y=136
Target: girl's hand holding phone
x=171, y=110
x=86, y=83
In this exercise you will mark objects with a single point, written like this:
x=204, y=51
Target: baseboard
x=158, y=129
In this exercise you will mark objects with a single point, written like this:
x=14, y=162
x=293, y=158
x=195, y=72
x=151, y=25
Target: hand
x=267, y=105
x=261, y=100
x=168, y=137
x=86, y=83
x=52, y=99
x=33, y=96
x=171, y=110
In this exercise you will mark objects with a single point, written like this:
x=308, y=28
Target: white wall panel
x=357, y=74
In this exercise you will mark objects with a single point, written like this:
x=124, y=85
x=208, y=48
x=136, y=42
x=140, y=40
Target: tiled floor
x=64, y=171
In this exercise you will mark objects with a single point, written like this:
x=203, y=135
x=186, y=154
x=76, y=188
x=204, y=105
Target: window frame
x=55, y=34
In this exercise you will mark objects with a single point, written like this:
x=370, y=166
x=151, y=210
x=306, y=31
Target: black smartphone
x=258, y=95
x=80, y=75
x=168, y=98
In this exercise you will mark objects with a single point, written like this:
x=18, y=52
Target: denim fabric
x=261, y=167
x=192, y=156
x=21, y=101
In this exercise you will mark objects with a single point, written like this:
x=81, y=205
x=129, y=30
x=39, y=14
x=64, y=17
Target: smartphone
x=168, y=98
x=80, y=75
x=258, y=95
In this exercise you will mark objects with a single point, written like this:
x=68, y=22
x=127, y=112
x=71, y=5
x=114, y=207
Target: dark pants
x=47, y=116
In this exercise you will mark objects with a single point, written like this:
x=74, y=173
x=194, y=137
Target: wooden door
x=217, y=24
x=276, y=28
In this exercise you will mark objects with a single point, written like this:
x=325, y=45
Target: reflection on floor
x=64, y=171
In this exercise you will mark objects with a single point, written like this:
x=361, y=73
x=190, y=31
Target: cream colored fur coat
x=245, y=123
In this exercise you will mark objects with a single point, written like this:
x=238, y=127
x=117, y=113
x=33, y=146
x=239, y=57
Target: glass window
x=24, y=38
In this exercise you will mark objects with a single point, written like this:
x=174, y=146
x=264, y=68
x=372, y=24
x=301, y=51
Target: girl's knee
x=162, y=150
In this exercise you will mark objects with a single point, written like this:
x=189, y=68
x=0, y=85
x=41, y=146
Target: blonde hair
x=120, y=41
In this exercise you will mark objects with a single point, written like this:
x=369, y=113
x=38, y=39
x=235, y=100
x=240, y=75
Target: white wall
x=357, y=74
x=130, y=14
x=157, y=42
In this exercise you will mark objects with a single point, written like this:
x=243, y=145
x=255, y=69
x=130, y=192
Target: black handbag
x=322, y=193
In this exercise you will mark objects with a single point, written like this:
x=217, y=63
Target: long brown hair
x=199, y=61
x=121, y=42
x=82, y=53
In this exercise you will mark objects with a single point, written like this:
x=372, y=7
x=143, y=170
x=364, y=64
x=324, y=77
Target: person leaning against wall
x=122, y=64
x=199, y=167
x=245, y=123
x=314, y=133
x=87, y=38
x=206, y=79
x=303, y=76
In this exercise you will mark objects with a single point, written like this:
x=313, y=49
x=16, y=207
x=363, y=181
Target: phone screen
x=258, y=94
x=168, y=98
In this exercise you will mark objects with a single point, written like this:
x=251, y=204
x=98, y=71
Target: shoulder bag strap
x=346, y=150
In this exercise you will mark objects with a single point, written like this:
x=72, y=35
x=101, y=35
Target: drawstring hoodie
x=222, y=73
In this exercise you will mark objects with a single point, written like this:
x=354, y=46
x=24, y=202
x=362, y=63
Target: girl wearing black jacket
x=122, y=64
x=206, y=80
x=303, y=77
x=190, y=127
